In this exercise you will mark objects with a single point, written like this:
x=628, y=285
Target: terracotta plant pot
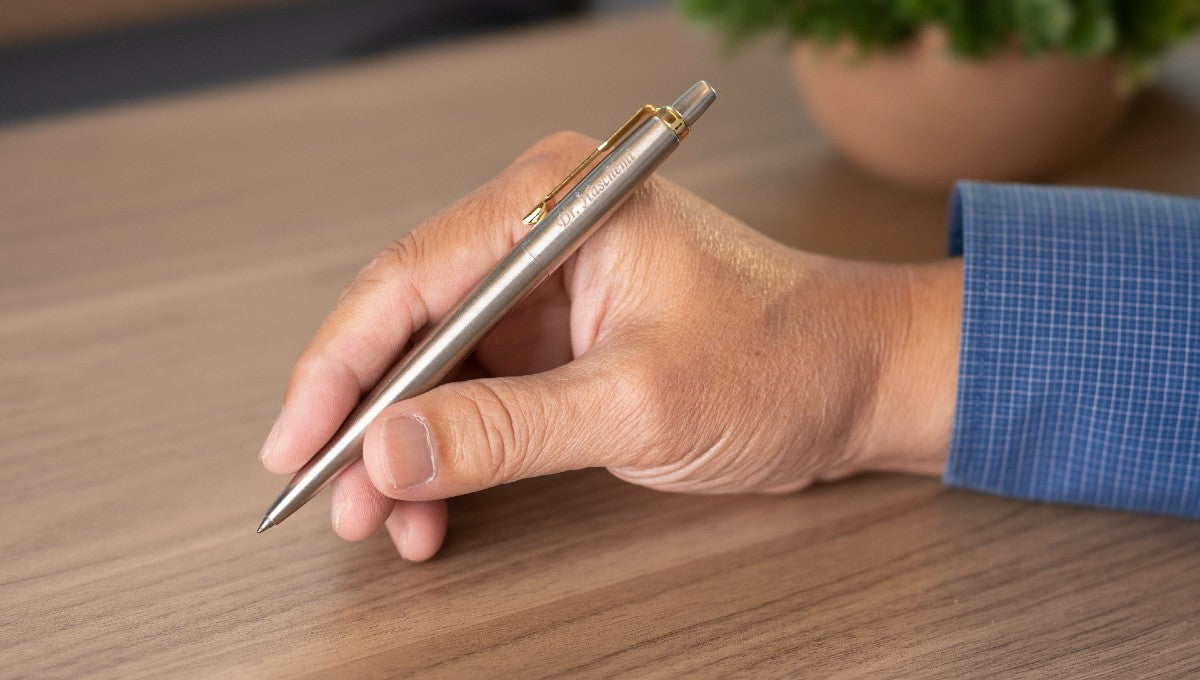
x=924, y=118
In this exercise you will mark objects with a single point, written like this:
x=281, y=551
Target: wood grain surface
x=162, y=264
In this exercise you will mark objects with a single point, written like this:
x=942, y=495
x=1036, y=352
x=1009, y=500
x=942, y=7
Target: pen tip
x=266, y=524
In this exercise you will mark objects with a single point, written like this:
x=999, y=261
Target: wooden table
x=162, y=264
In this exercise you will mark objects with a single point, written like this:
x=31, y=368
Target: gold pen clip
x=666, y=114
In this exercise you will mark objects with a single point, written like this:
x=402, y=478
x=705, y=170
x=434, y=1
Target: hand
x=678, y=348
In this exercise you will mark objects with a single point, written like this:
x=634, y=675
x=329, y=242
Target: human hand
x=678, y=348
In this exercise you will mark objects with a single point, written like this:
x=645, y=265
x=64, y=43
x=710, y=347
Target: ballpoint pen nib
x=266, y=524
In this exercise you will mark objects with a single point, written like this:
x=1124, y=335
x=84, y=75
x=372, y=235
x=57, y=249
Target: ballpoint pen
x=558, y=227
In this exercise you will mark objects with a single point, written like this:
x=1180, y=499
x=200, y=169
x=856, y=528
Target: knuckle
x=388, y=262
x=553, y=155
x=316, y=368
x=504, y=200
x=652, y=408
x=308, y=368
x=674, y=441
x=391, y=269
x=498, y=456
x=556, y=144
x=395, y=256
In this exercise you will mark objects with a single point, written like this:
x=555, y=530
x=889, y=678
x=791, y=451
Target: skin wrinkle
x=770, y=301
x=678, y=347
x=885, y=355
x=502, y=434
x=772, y=307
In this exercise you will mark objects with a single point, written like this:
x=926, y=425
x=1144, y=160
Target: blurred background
x=64, y=55
x=918, y=93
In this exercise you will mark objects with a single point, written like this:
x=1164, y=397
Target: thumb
x=467, y=436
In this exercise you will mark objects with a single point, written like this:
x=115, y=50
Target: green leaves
x=1137, y=30
x=738, y=20
x=1042, y=24
x=1093, y=30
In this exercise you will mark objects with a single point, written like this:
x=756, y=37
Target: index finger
x=413, y=281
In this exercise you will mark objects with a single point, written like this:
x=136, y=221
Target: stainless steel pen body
x=551, y=241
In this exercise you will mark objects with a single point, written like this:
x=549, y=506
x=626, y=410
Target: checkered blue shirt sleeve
x=1079, y=373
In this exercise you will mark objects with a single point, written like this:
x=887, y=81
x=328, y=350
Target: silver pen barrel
x=551, y=241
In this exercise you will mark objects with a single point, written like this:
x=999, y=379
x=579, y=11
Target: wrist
x=912, y=409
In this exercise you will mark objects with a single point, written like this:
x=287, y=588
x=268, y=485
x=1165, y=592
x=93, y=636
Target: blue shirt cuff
x=1079, y=372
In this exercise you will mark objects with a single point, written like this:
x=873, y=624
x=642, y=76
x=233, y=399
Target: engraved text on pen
x=596, y=189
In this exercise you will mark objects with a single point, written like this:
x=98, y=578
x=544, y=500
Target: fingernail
x=269, y=445
x=409, y=459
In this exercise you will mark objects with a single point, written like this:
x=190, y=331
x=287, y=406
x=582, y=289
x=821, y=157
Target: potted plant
x=929, y=91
